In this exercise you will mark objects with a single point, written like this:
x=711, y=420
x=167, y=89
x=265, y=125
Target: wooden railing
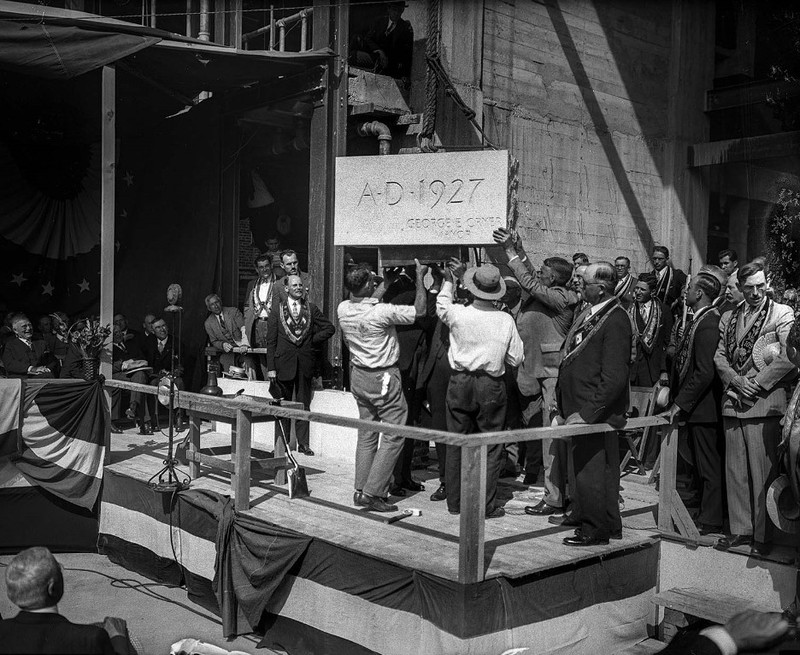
x=474, y=447
x=281, y=24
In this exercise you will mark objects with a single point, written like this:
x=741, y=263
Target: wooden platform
x=516, y=545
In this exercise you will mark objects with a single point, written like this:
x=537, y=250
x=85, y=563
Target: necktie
x=161, y=346
x=221, y=321
x=389, y=28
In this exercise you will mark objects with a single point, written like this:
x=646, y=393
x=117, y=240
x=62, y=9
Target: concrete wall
x=584, y=95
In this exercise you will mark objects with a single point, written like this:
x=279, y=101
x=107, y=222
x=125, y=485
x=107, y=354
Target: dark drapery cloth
x=253, y=558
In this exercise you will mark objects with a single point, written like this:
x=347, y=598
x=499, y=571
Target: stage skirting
x=309, y=596
x=51, y=463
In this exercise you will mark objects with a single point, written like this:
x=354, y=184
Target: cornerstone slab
x=456, y=198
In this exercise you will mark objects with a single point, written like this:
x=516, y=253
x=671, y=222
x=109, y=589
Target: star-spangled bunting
x=128, y=177
x=123, y=213
x=18, y=279
x=47, y=289
x=84, y=285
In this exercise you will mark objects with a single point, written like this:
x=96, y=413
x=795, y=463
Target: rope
x=431, y=78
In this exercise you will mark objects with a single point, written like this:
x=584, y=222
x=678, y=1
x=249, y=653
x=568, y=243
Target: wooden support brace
x=669, y=463
x=471, y=566
x=194, y=445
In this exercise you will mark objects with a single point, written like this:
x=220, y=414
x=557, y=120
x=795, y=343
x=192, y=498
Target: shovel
x=296, y=475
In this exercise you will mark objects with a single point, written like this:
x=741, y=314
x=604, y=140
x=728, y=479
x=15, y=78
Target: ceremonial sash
x=623, y=287
x=258, y=306
x=740, y=352
x=682, y=357
x=296, y=329
x=662, y=288
x=580, y=334
x=646, y=333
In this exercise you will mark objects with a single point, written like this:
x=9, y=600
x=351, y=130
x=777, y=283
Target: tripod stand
x=169, y=479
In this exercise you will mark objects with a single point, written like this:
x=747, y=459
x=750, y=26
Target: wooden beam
x=669, y=466
x=749, y=94
x=108, y=170
x=471, y=567
x=767, y=146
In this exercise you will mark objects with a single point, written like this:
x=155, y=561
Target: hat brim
x=782, y=506
x=662, y=398
x=469, y=282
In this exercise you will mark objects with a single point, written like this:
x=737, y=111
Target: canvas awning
x=61, y=44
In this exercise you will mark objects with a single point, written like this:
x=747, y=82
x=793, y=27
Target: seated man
x=159, y=353
x=224, y=327
x=387, y=47
x=126, y=356
x=35, y=584
x=24, y=357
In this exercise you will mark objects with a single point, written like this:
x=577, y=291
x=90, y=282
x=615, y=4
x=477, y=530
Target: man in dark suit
x=593, y=388
x=543, y=322
x=158, y=353
x=262, y=294
x=669, y=281
x=750, y=631
x=697, y=396
x=128, y=334
x=652, y=329
x=388, y=46
x=138, y=409
x=435, y=376
x=24, y=357
x=294, y=329
x=35, y=584
x=224, y=329
x=626, y=282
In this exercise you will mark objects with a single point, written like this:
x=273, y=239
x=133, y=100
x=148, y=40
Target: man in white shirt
x=368, y=328
x=262, y=293
x=483, y=340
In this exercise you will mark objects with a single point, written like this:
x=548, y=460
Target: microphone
x=174, y=295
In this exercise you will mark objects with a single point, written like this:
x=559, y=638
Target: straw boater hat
x=782, y=505
x=485, y=282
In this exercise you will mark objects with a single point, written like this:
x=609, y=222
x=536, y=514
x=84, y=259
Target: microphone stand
x=168, y=480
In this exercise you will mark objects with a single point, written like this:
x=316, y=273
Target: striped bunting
x=63, y=428
x=10, y=416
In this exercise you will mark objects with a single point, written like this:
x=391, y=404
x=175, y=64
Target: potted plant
x=90, y=337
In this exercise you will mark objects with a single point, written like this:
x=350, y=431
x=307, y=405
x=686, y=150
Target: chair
x=642, y=403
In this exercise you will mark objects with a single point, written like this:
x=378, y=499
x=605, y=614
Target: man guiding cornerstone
x=593, y=388
x=483, y=340
x=368, y=328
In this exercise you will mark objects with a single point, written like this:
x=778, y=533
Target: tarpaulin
x=62, y=51
x=11, y=414
x=63, y=432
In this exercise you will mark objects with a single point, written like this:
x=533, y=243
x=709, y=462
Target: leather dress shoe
x=616, y=535
x=397, y=490
x=116, y=428
x=375, y=504
x=582, y=540
x=412, y=485
x=734, y=541
x=542, y=509
x=439, y=494
x=761, y=548
x=145, y=428
x=305, y=450
x=705, y=529
x=564, y=519
x=496, y=513
x=358, y=499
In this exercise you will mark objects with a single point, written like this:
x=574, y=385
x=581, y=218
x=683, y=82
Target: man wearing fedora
x=697, y=396
x=295, y=330
x=368, y=328
x=543, y=322
x=754, y=402
x=593, y=388
x=483, y=340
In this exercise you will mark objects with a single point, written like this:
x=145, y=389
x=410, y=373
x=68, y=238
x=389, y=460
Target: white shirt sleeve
x=721, y=638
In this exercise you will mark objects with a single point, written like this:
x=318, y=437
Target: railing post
x=666, y=484
x=473, y=513
x=272, y=27
x=303, y=30
x=281, y=35
x=241, y=459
